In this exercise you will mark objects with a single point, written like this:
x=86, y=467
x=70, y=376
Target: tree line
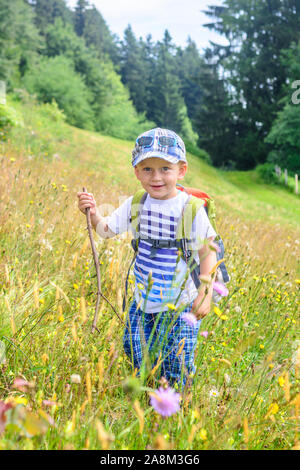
x=233, y=101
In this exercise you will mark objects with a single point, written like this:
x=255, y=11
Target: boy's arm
x=208, y=260
x=100, y=226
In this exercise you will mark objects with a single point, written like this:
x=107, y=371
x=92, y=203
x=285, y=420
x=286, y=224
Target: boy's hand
x=86, y=200
x=202, y=305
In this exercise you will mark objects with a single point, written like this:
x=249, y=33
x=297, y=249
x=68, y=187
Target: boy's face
x=159, y=177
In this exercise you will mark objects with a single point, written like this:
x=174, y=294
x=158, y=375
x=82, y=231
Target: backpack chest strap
x=161, y=243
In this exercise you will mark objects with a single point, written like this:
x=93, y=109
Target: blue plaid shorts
x=163, y=339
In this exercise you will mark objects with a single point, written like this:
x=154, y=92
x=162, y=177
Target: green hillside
x=109, y=159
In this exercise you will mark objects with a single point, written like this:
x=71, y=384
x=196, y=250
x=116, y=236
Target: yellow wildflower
x=281, y=381
x=69, y=428
x=217, y=311
x=45, y=358
x=21, y=401
x=171, y=306
x=203, y=434
x=273, y=409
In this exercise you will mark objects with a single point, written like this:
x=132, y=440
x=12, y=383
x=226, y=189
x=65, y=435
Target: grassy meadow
x=245, y=394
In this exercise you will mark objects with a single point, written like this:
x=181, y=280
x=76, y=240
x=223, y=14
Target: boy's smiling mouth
x=156, y=187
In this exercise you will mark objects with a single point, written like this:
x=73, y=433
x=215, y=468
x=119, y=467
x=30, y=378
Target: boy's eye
x=165, y=168
x=146, y=169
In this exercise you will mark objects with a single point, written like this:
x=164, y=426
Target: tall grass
x=245, y=391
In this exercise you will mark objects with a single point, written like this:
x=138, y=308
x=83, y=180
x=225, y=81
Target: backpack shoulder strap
x=190, y=209
x=211, y=212
x=136, y=206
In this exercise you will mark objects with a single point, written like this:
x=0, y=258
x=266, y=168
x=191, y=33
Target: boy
x=160, y=319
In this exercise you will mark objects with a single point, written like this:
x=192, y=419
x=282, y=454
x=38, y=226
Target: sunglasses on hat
x=163, y=141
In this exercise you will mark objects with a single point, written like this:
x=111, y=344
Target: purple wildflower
x=204, y=334
x=165, y=401
x=190, y=319
x=220, y=288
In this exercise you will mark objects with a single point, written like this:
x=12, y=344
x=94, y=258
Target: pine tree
x=256, y=31
x=284, y=135
x=80, y=16
x=167, y=107
x=97, y=34
x=133, y=69
x=189, y=66
x=47, y=11
x=212, y=115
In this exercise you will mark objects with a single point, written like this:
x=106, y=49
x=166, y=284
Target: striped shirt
x=166, y=270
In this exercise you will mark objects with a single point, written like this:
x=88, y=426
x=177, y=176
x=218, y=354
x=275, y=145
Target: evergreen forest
x=236, y=105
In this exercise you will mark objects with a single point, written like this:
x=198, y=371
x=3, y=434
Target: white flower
x=50, y=228
x=46, y=244
x=75, y=379
x=214, y=393
x=227, y=378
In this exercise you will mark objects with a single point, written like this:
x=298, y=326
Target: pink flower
x=3, y=408
x=49, y=403
x=204, y=334
x=165, y=401
x=190, y=319
x=220, y=288
x=22, y=384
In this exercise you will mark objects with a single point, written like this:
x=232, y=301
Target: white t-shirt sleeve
x=119, y=220
x=201, y=229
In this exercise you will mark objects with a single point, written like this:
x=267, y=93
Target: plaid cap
x=172, y=154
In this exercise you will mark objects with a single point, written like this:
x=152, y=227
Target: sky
x=182, y=18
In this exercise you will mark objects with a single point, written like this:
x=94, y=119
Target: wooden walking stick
x=96, y=261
